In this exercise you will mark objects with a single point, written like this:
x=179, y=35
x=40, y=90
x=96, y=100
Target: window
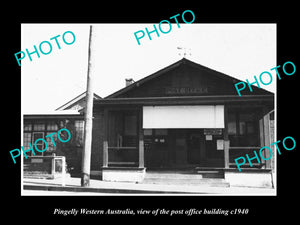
x=130, y=125
x=52, y=126
x=26, y=140
x=161, y=132
x=51, y=147
x=79, y=128
x=27, y=127
x=129, y=138
x=232, y=124
x=39, y=127
x=246, y=123
x=39, y=145
x=147, y=132
x=243, y=129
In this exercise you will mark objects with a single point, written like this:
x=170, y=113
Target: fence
x=49, y=167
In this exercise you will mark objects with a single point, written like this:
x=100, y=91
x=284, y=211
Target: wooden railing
x=47, y=166
x=245, y=150
x=123, y=156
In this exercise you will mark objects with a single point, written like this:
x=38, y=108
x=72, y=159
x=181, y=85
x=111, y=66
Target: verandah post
x=267, y=142
x=226, y=139
x=105, y=140
x=141, y=139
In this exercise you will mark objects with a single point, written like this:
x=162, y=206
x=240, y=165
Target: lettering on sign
x=213, y=131
x=185, y=90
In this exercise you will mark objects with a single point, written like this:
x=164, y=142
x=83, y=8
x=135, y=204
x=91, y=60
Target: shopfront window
x=79, y=127
x=39, y=127
x=123, y=137
x=27, y=127
x=39, y=144
x=243, y=128
x=51, y=148
x=130, y=125
x=26, y=140
x=130, y=131
x=52, y=126
x=232, y=124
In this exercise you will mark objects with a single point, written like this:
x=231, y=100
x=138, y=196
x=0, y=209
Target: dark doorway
x=174, y=148
x=194, y=146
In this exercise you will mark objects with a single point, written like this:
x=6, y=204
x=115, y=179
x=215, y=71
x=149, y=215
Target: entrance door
x=174, y=148
x=156, y=145
x=179, y=152
x=189, y=147
x=194, y=146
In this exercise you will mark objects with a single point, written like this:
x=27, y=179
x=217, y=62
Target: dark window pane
x=130, y=125
x=39, y=126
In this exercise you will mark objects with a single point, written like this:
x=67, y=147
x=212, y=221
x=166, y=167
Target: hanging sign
x=212, y=131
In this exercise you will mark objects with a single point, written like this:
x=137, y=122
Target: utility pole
x=88, y=122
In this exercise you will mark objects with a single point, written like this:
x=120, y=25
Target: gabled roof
x=185, y=61
x=75, y=101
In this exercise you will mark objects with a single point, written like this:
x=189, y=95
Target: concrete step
x=43, y=175
x=189, y=174
x=211, y=174
x=208, y=172
x=171, y=175
x=185, y=178
x=205, y=182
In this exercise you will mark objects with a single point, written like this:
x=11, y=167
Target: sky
x=238, y=50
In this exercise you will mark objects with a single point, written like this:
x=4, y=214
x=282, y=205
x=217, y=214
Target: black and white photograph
x=165, y=115
x=162, y=113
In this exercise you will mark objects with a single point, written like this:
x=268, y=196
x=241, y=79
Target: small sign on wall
x=208, y=137
x=33, y=160
x=216, y=131
x=220, y=144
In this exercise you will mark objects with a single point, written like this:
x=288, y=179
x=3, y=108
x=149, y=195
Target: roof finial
x=184, y=51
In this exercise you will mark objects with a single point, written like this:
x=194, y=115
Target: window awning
x=199, y=116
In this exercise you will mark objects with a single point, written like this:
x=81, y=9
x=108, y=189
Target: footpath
x=99, y=187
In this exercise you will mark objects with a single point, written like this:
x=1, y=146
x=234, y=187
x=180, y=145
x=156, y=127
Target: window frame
x=239, y=136
x=37, y=153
